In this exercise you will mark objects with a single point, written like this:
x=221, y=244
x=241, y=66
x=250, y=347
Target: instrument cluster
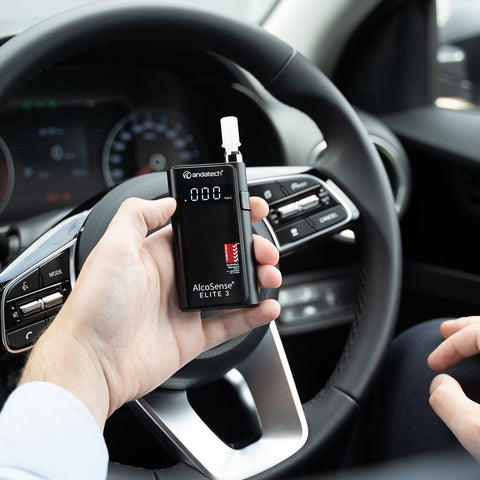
x=76, y=132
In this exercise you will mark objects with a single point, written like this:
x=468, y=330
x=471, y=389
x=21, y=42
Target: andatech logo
x=187, y=174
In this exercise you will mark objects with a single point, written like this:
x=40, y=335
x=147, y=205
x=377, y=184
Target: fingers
x=136, y=217
x=259, y=208
x=459, y=345
x=267, y=256
x=450, y=327
x=268, y=276
x=457, y=411
x=265, y=252
x=227, y=325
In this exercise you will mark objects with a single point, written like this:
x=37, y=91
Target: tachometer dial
x=6, y=175
x=149, y=140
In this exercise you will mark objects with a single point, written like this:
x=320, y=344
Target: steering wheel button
x=26, y=336
x=53, y=300
x=31, y=308
x=271, y=192
x=309, y=202
x=56, y=270
x=12, y=316
x=298, y=183
x=328, y=218
x=25, y=285
x=327, y=201
x=289, y=210
x=293, y=232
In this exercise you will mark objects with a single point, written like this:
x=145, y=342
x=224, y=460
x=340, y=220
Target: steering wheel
x=351, y=174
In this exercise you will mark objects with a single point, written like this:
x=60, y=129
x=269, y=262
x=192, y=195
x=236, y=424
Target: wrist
x=60, y=358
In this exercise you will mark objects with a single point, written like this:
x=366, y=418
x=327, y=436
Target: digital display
x=56, y=150
x=60, y=151
x=200, y=194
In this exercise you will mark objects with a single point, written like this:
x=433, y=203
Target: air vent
x=398, y=171
x=396, y=165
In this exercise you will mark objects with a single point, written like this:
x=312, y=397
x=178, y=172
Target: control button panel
x=26, y=336
x=317, y=300
x=301, y=207
x=31, y=303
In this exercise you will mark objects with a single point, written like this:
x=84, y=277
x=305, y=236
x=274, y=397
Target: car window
x=458, y=54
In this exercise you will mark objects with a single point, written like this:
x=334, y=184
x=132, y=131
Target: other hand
x=458, y=412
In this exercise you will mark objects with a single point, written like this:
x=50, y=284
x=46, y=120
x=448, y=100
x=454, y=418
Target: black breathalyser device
x=212, y=229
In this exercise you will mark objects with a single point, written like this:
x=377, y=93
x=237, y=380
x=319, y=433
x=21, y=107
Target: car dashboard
x=90, y=124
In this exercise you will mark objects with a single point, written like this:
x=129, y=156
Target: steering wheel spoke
x=302, y=206
x=268, y=391
x=36, y=284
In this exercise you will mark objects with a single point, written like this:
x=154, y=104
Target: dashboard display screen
x=56, y=152
x=53, y=150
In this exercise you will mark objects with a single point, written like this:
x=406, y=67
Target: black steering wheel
x=350, y=171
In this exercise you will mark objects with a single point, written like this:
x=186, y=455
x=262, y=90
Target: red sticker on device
x=231, y=252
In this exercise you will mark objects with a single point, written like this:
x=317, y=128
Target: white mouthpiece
x=230, y=136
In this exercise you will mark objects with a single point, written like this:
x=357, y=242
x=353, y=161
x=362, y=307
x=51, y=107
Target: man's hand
x=121, y=334
x=460, y=414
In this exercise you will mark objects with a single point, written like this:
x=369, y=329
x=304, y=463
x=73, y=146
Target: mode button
x=56, y=270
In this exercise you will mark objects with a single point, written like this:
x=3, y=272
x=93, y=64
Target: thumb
x=457, y=411
x=136, y=217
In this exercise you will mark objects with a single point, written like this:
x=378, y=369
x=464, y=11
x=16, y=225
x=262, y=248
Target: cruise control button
x=326, y=200
x=309, y=202
x=294, y=232
x=271, y=192
x=288, y=210
x=26, y=285
x=53, y=300
x=328, y=218
x=56, y=270
x=31, y=307
x=298, y=183
x=24, y=337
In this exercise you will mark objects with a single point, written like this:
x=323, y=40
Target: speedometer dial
x=149, y=140
x=6, y=175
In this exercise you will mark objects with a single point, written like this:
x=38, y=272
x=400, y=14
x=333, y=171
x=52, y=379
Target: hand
x=458, y=412
x=121, y=334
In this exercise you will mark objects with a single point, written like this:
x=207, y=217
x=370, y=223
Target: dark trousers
x=397, y=420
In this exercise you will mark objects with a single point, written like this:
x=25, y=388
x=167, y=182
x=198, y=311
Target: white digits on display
x=204, y=194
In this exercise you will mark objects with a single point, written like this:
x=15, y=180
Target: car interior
x=358, y=125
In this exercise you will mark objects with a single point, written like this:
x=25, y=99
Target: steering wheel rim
x=351, y=162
